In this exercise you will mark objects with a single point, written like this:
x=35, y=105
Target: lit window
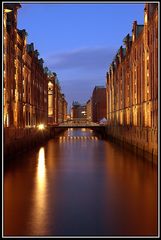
x=146, y=18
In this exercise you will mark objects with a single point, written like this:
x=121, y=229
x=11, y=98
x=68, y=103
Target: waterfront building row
x=132, y=84
x=25, y=81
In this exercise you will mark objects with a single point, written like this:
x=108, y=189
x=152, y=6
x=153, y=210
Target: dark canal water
x=80, y=185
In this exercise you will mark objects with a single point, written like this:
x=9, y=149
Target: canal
x=79, y=185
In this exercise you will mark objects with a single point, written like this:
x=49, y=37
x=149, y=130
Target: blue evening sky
x=78, y=41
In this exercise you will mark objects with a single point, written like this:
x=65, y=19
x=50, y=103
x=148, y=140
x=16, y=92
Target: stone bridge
x=77, y=124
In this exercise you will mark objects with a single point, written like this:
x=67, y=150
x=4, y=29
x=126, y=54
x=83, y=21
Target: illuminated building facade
x=51, y=100
x=25, y=82
x=60, y=105
x=64, y=108
x=57, y=105
x=10, y=66
x=132, y=85
x=89, y=109
x=25, y=86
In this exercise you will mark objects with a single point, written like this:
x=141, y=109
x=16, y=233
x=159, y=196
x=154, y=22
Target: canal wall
x=19, y=140
x=143, y=142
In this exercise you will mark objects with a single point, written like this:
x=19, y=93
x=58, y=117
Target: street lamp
x=41, y=127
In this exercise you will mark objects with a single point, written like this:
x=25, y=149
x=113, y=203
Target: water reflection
x=83, y=186
x=69, y=137
x=133, y=199
x=41, y=168
x=83, y=129
x=39, y=196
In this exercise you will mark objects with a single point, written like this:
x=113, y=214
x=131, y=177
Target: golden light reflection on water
x=69, y=138
x=39, y=209
x=83, y=130
x=41, y=167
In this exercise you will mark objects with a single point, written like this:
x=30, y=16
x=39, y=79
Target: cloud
x=84, y=58
x=80, y=70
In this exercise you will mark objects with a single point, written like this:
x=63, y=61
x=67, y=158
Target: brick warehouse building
x=132, y=86
x=25, y=82
x=25, y=79
x=98, y=103
x=57, y=104
x=25, y=86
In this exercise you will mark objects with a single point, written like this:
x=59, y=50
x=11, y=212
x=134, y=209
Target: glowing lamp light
x=146, y=18
x=7, y=10
x=41, y=127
